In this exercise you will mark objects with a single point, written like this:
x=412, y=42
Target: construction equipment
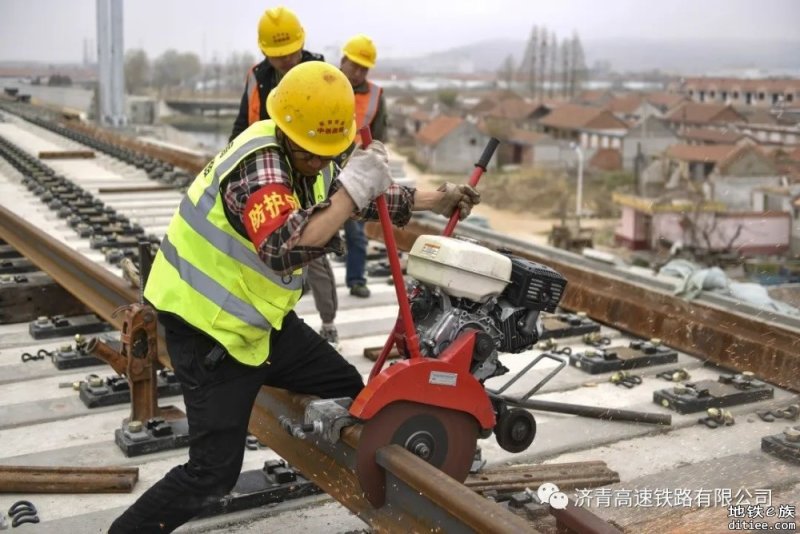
x=465, y=304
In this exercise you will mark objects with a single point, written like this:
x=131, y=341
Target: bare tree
x=174, y=69
x=551, y=89
x=578, y=65
x=137, y=71
x=506, y=72
x=543, y=58
x=566, y=67
x=528, y=65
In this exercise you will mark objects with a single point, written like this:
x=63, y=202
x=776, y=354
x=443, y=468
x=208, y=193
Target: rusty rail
x=589, y=474
x=723, y=335
x=192, y=164
x=101, y=290
x=419, y=498
x=30, y=479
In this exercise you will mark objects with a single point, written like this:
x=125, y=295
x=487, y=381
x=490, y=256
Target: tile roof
x=709, y=135
x=740, y=151
x=526, y=137
x=697, y=113
x=665, y=101
x=512, y=109
x=438, y=129
x=575, y=117
x=625, y=104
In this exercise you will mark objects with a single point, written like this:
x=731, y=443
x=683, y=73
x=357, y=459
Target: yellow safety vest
x=211, y=276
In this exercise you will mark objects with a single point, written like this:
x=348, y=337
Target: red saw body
x=469, y=304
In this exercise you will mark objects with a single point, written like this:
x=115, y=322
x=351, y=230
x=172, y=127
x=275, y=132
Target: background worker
x=359, y=56
x=229, y=272
x=281, y=38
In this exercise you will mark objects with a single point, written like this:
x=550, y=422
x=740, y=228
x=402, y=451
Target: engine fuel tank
x=460, y=268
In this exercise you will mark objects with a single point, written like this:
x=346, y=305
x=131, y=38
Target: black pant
x=218, y=405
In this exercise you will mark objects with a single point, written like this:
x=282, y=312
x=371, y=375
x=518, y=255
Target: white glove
x=366, y=174
x=461, y=196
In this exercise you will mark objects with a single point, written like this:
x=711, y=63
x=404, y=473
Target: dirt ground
x=529, y=226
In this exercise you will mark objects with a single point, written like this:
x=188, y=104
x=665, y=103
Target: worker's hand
x=463, y=196
x=366, y=174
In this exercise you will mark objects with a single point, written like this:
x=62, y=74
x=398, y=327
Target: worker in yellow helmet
x=281, y=38
x=359, y=55
x=230, y=270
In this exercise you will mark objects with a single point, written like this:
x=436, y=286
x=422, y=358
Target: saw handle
x=480, y=168
x=411, y=338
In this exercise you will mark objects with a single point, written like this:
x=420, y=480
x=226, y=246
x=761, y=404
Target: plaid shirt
x=280, y=250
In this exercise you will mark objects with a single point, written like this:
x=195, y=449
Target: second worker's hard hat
x=314, y=106
x=280, y=32
x=360, y=49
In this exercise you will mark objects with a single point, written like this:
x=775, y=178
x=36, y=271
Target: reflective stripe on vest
x=253, y=97
x=210, y=275
x=212, y=289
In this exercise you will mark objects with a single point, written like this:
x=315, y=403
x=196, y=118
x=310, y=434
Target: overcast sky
x=55, y=30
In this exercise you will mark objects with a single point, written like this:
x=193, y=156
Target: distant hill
x=680, y=57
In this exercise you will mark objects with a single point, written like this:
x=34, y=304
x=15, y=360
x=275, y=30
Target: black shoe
x=360, y=291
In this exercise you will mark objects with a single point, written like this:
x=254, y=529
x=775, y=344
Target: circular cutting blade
x=444, y=438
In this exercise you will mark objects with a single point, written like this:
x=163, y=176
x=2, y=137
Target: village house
x=741, y=92
x=710, y=136
x=645, y=222
x=727, y=208
x=632, y=107
x=587, y=126
x=449, y=144
x=665, y=101
x=691, y=114
x=649, y=137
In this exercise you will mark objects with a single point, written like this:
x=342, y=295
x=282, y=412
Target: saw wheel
x=444, y=438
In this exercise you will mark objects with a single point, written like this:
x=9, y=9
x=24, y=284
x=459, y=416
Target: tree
x=577, y=66
x=552, y=78
x=506, y=72
x=447, y=97
x=542, y=61
x=528, y=65
x=173, y=69
x=566, y=68
x=137, y=71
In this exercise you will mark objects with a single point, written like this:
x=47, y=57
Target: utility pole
x=110, y=64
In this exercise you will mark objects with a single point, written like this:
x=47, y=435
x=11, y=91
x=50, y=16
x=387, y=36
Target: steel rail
x=330, y=467
x=419, y=497
x=47, y=479
x=101, y=290
x=713, y=331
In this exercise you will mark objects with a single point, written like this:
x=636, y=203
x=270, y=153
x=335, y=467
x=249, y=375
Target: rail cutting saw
x=461, y=307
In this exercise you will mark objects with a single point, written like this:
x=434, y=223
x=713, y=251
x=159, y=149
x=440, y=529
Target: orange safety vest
x=253, y=97
x=367, y=107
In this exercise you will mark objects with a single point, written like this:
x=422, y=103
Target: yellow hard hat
x=280, y=32
x=360, y=49
x=314, y=106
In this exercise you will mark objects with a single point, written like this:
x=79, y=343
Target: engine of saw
x=459, y=285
